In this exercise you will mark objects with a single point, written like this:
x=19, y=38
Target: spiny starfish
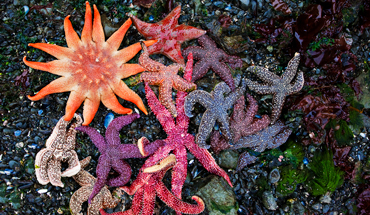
x=91, y=68
x=243, y=121
x=113, y=153
x=211, y=57
x=217, y=106
x=148, y=184
x=104, y=199
x=169, y=35
x=59, y=148
x=164, y=76
x=178, y=139
x=280, y=87
x=271, y=137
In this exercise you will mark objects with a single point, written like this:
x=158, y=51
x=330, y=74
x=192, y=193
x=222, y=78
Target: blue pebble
x=108, y=119
x=151, y=18
x=17, y=133
x=228, y=7
x=33, y=146
x=258, y=116
x=40, y=112
x=305, y=161
x=216, y=127
x=26, y=9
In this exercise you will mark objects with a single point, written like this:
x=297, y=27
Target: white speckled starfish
x=59, y=148
x=104, y=199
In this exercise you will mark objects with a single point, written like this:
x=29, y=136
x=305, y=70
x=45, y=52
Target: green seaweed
x=290, y=178
x=324, y=176
x=293, y=153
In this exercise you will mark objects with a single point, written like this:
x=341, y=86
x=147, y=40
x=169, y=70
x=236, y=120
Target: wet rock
x=269, y=201
x=14, y=165
x=325, y=198
x=317, y=207
x=218, y=196
x=228, y=159
x=274, y=176
x=365, y=97
x=244, y=4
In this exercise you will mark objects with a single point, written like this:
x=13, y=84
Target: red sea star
x=178, y=140
x=169, y=33
x=91, y=68
x=164, y=76
x=113, y=153
x=211, y=57
x=148, y=184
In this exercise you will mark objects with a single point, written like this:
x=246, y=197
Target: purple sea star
x=271, y=137
x=59, y=148
x=211, y=57
x=113, y=153
x=280, y=87
x=217, y=106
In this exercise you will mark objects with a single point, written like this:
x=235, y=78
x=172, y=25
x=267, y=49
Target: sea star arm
x=198, y=52
x=278, y=101
x=111, y=200
x=70, y=141
x=135, y=208
x=183, y=85
x=73, y=163
x=57, y=67
x=205, y=128
x=146, y=28
x=280, y=139
x=179, y=206
x=200, y=96
x=146, y=148
x=179, y=171
x=124, y=173
x=115, y=40
x=129, y=52
x=165, y=96
x=62, y=84
x=149, y=64
x=86, y=34
x=73, y=41
x=224, y=72
x=74, y=102
x=94, y=135
x=91, y=106
x=112, y=132
x=244, y=160
x=54, y=172
x=257, y=125
x=192, y=33
x=126, y=70
x=109, y=100
x=163, y=116
x=263, y=73
x=102, y=171
x=149, y=199
x=78, y=198
x=292, y=67
x=259, y=88
x=224, y=126
x=174, y=53
x=58, y=135
x=41, y=165
x=97, y=30
x=297, y=86
x=121, y=89
x=233, y=96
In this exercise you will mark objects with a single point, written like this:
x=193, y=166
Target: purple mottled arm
x=95, y=137
x=112, y=132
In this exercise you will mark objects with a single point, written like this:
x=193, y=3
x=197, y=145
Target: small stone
x=14, y=164
x=270, y=48
x=325, y=198
x=317, y=207
x=228, y=159
x=274, y=176
x=17, y=133
x=269, y=201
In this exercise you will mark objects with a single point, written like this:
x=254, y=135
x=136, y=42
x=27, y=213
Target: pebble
x=269, y=201
x=108, y=119
x=274, y=176
x=17, y=133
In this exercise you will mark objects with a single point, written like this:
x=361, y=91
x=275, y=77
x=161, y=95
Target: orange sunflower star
x=91, y=68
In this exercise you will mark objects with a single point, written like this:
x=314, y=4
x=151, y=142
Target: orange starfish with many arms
x=91, y=68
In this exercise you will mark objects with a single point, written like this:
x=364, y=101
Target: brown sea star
x=104, y=199
x=148, y=185
x=211, y=57
x=164, y=76
x=178, y=139
x=271, y=137
x=169, y=35
x=91, y=68
x=280, y=87
x=59, y=148
x=113, y=153
x=217, y=106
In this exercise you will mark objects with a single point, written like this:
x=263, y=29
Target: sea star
x=113, y=153
x=217, y=106
x=104, y=199
x=148, y=184
x=270, y=137
x=91, y=68
x=178, y=139
x=164, y=76
x=280, y=87
x=59, y=148
x=211, y=57
x=243, y=121
x=169, y=35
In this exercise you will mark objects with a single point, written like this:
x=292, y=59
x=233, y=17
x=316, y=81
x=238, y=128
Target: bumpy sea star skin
x=148, y=185
x=104, y=199
x=178, y=139
x=280, y=87
x=243, y=121
x=217, y=106
x=218, y=142
x=113, y=153
x=169, y=35
x=164, y=76
x=59, y=148
x=91, y=68
x=211, y=57
x=271, y=137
